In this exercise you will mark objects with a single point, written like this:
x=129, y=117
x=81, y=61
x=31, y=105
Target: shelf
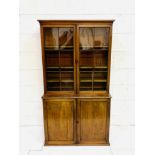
x=67, y=87
x=57, y=50
x=91, y=67
x=66, y=71
x=85, y=80
x=62, y=81
x=66, y=47
x=56, y=67
x=94, y=50
x=100, y=81
x=86, y=87
x=93, y=47
x=93, y=80
x=53, y=80
x=104, y=67
x=67, y=81
x=57, y=47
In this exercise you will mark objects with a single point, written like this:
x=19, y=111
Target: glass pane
x=99, y=86
x=51, y=38
x=52, y=59
x=66, y=58
x=59, y=59
x=100, y=59
x=66, y=37
x=86, y=38
x=101, y=37
x=93, y=58
x=86, y=59
x=53, y=86
x=67, y=79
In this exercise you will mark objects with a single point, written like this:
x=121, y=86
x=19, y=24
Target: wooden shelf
x=53, y=80
x=94, y=47
x=93, y=80
x=60, y=81
x=94, y=50
x=99, y=80
x=102, y=67
x=56, y=67
x=57, y=50
x=85, y=80
x=91, y=67
x=60, y=71
x=86, y=87
x=58, y=47
x=67, y=80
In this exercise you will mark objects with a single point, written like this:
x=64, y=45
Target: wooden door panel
x=93, y=121
x=60, y=121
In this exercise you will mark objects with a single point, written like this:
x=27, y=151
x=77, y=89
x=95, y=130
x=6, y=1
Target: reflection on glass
x=66, y=37
x=59, y=58
x=99, y=41
x=94, y=37
x=101, y=37
x=51, y=38
x=86, y=38
x=94, y=43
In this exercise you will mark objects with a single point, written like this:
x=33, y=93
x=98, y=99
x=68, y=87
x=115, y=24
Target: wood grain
x=60, y=121
x=92, y=119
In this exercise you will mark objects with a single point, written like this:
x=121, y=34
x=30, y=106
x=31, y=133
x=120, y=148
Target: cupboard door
x=59, y=121
x=93, y=121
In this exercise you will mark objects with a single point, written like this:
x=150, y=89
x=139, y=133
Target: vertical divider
x=59, y=62
x=74, y=52
x=93, y=60
x=77, y=59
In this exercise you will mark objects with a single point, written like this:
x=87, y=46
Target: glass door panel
x=51, y=38
x=101, y=37
x=66, y=38
x=86, y=38
x=93, y=58
x=59, y=58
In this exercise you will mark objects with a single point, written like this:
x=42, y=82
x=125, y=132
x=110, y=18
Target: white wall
x=122, y=72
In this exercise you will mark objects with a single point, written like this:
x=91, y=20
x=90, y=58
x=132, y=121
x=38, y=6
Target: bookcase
x=76, y=71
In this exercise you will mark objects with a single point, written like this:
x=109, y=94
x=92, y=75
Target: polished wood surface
x=92, y=121
x=76, y=58
x=60, y=121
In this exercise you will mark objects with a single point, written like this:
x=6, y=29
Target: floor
x=121, y=139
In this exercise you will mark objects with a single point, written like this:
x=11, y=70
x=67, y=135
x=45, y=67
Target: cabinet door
x=59, y=121
x=94, y=58
x=93, y=121
x=58, y=52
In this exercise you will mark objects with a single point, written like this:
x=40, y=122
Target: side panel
x=59, y=121
x=93, y=121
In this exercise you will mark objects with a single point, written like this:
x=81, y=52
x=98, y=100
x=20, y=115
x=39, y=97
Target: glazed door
x=59, y=55
x=93, y=121
x=93, y=54
x=59, y=117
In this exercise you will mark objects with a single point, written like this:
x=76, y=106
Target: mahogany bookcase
x=76, y=71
